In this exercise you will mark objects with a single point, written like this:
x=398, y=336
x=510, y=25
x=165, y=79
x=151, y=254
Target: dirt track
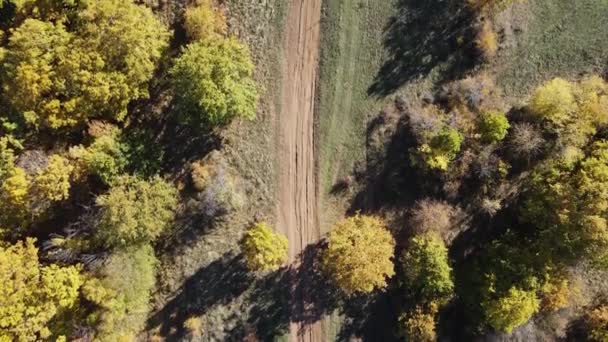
x=297, y=203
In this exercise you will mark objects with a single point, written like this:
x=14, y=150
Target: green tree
x=493, y=126
x=122, y=293
x=58, y=78
x=359, y=253
x=106, y=157
x=264, y=249
x=513, y=309
x=31, y=295
x=427, y=272
x=135, y=210
x=441, y=150
x=213, y=82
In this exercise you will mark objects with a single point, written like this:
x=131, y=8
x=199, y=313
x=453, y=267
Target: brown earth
x=297, y=200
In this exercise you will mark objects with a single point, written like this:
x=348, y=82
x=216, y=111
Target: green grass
x=351, y=54
x=561, y=38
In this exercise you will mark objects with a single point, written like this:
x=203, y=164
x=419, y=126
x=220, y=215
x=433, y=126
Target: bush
x=213, y=82
x=51, y=184
x=513, y=309
x=122, y=293
x=204, y=20
x=441, y=150
x=264, y=249
x=135, y=211
x=555, y=294
x=32, y=294
x=359, y=253
x=432, y=216
x=554, y=101
x=493, y=126
x=418, y=326
x=597, y=324
x=201, y=175
x=427, y=272
x=486, y=41
x=194, y=326
x=526, y=140
x=221, y=192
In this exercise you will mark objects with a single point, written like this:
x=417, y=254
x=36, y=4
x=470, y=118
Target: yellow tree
x=31, y=294
x=359, y=254
x=264, y=249
x=513, y=309
x=204, y=20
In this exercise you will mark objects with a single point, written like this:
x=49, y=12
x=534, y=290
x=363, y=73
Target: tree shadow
x=422, y=36
x=216, y=284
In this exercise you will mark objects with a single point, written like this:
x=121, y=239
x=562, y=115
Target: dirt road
x=297, y=205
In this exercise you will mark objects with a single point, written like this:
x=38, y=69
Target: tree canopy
x=264, y=249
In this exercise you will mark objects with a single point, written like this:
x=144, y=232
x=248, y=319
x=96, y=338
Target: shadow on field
x=421, y=36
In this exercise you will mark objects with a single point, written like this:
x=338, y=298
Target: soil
x=297, y=200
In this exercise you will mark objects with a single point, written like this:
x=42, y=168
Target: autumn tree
x=204, y=20
x=58, y=78
x=427, y=272
x=32, y=294
x=213, y=82
x=359, y=253
x=418, y=325
x=264, y=249
x=596, y=322
x=440, y=150
x=511, y=310
x=121, y=292
x=135, y=210
x=493, y=126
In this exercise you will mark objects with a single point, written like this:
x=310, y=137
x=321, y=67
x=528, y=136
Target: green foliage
x=493, y=126
x=204, y=20
x=105, y=157
x=31, y=295
x=264, y=249
x=122, y=293
x=57, y=78
x=213, y=82
x=359, y=253
x=135, y=211
x=427, y=272
x=513, y=309
x=441, y=150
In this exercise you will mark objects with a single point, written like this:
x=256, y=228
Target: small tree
x=204, y=20
x=441, y=150
x=525, y=140
x=264, y=249
x=213, y=82
x=427, y=272
x=32, y=294
x=135, y=210
x=105, y=157
x=432, y=216
x=493, y=126
x=418, y=326
x=486, y=41
x=554, y=101
x=359, y=253
x=597, y=324
x=513, y=309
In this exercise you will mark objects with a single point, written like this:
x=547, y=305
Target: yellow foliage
x=554, y=101
x=201, y=174
x=597, y=323
x=31, y=295
x=418, y=326
x=555, y=294
x=513, y=309
x=359, y=254
x=194, y=326
x=264, y=249
x=487, y=41
x=53, y=182
x=13, y=192
x=204, y=20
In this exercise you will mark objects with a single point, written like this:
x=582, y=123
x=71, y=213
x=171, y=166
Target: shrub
x=418, y=326
x=213, y=82
x=135, y=211
x=204, y=20
x=53, y=182
x=200, y=175
x=222, y=192
x=194, y=326
x=486, y=41
x=427, y=272
x=555, y=294
x=264, y=249
x=32, y=294
x=493, y=126
x=597, y=324
x=432, y=216
x=359, y=253
x=441, y=150
x=513, y=309
x=554, y=101
x=122, y=294
x=526, y=140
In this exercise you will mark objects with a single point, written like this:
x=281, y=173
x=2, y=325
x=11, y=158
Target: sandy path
x=297, y=205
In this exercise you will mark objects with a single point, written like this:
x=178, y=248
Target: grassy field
x=559, y=38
